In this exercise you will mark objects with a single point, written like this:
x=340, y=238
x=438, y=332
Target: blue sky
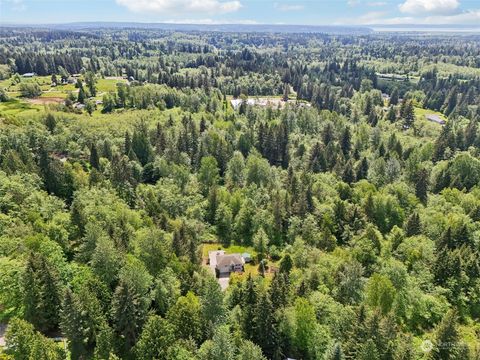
x=319, y=12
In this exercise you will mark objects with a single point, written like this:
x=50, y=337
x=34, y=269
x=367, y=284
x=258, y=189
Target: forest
x=341, y=170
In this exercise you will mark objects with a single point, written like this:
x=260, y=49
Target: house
x=228, y=263
x=28, y=75
x=436, y=119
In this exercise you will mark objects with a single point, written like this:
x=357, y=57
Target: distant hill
x=206, y=27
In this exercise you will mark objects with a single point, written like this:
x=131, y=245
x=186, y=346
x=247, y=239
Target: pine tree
x=50, y=122
x=248, y=306
x=369, y=351
x=421, y=185
x=279, y=290
x=264, y=326
x=408, y=114
x=335, y=353
x=157, y=336
x=346, y=141
x=348, y=175
x=317, y=161
x=413, y=226
x=223, y=221
x=286, y=264
x=81, y=96
x=42, y=294
x=94, y=159
x=362, y=171
x=394, y=97
x=446, y=339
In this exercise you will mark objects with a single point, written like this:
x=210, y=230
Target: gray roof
x=435, y=118
x=227, y=260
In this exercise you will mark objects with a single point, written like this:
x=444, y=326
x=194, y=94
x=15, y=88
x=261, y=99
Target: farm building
x=436, y=119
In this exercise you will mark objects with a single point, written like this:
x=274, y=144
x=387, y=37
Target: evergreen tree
x=156, y=337
x=94, y=159
x=42, y=294
x=394, y=97
x=413, y=226
x=408, y=114
x=446, y=344
x=346, y=141
x=223, y=221
x=421, y=185
x=264, y=326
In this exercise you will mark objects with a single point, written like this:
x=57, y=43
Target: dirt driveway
x=46, y=100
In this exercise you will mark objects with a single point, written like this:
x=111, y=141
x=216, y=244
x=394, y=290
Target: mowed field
x=51, y=95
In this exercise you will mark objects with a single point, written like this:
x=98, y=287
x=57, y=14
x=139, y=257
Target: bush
x=30, y=90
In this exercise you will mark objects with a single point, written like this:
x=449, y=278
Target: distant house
x=28, y=75
x=436, y=119
x=227, y=264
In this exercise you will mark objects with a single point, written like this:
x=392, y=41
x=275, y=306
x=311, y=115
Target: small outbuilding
x=436, y=119
x=247, y=257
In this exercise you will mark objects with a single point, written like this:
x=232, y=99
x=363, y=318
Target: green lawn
x=16, y=106
x=250, y=269
x=232, y=249
x=422, y=113
x=106, y=85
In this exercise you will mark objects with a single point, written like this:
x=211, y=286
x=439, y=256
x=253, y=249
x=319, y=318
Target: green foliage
x=362, y=221
x=23, y=342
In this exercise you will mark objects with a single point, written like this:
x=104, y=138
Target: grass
x=422, y=113
x=249, y=269
x=232, y=249
x=106, y=85
x=16, y=106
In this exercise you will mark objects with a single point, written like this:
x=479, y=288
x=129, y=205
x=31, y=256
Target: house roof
x=231, y=259
x=435, y=118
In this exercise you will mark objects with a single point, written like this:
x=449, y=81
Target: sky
x=312, y=12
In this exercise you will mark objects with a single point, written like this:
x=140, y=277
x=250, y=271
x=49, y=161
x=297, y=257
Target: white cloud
x=288, y=7
x=181, y=6
x=442, y=7
x=377, y=3
x=353, y=2
x=469, y=17
x=15, y=5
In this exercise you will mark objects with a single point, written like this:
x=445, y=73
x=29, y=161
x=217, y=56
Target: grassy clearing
x=16, y=106
x=232, y=249
x=422, y=113
x=106, y=85
x=249, y=269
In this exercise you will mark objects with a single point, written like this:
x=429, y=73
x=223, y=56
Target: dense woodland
x=363, y=217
